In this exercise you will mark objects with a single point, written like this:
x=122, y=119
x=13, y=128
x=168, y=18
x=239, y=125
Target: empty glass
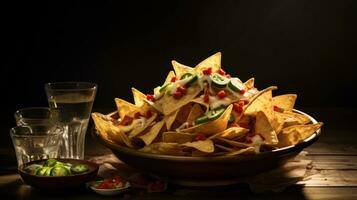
x=70, y=105
x=36, y=142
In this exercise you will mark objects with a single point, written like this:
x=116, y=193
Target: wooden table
x=334, y=161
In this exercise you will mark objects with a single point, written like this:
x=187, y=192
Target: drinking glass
x=33, y=115
x=71, y=104
x=35, y=142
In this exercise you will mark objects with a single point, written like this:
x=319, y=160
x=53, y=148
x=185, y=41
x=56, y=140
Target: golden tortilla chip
x=170, y=104
x=231, y=133
x=206, y=146
x=245, y=151
x=183, y=113
x=295, y=134
x=249, y=83
x=139, y=97
x=213, y=61
x=224, y=148
x=212, y=127
x=177, y=137
x=195, y=112
x=199, y=100
x=180, y=69
x=124, y=107
x=287, y=118
x=263, y=102
x=152, y=133
x=265, y=129
x=109, y=131
x=232, y=142
x=286, y=101
x=141, y=126
x=169, y=119
x=164, y=148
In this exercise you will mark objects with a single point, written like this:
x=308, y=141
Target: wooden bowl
x=208, y=168
x=59, y=182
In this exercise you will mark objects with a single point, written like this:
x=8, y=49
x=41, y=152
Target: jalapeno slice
x=60, y=171
x=236, y=85
x=219, y=81
x=79, y=168
x=215, y=114
x=202, y=119
x=50, y=162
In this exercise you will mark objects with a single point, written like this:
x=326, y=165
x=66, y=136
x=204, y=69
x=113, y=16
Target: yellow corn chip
x=265, y=129
x=201, y=145
x=139, y=97
x=180, y=69
x=249, y=83
x=213, y=61
x=152, y=133
x=286, y=101
x=177, y=137
x=140, y=127
x=195, y=112
x=295, y=134
x=245, y=151
x=125, y=108
x=169, y=119
x=164, y=148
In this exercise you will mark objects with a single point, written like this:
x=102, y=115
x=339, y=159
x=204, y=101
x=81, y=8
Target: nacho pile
x=204, y=111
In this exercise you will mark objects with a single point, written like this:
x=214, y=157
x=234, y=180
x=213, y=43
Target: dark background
x=304, y=47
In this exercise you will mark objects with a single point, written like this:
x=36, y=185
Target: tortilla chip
x=295, y=134
x=224, y=148
x=231, y=133
x=140, y=128
x=213, y=61
x=195, y=112
x=232, y=142
x=109, y=131
x=170, y=104
x=263, y=102
x=152, y=133
x=125, y=108
x=256, y=103
x=199, y=100
x=164, y=148
x=169, y=76
x=245, y=151
x=212, y=127
x=286, y=101
x=206, y=146
x=139, y=97
x=265, y=129
x=183, y=113
x=180, y=69
x=249, y=83
x=177, y=137
x=169, y=119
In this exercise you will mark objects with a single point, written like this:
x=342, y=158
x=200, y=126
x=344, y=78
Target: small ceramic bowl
x=111, y=192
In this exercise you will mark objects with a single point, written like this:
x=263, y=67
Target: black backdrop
x=305, y=47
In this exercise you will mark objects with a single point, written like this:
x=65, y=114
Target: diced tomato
x=242, y=91
x=207, y=71
x=126, y=121
x=221, y=94
x=233, y=125
x=241, y=103
x=278, y=109
x=177, y=95
x=148, y=114
x=103, y=185
x=238, y=107
x=173, y=79
x=244, y=125
x=200, y=136
x=137, y=115
x=181, y=89
x=246, y=101
x=221, y=72
x=150, y=97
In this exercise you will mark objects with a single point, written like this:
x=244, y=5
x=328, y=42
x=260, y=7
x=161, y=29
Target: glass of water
x=33, y=116
x=71, y=104
x=35, y=142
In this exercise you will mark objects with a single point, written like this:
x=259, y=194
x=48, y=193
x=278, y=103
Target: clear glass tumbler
x=71, y=104
x=35, y=142
x=33, y=116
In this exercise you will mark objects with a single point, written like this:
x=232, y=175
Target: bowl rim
x=280, y=151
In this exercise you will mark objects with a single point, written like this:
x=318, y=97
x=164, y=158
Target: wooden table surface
x=334, y=159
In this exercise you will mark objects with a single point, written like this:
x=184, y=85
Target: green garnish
x=236, y=85
x=219, y=81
